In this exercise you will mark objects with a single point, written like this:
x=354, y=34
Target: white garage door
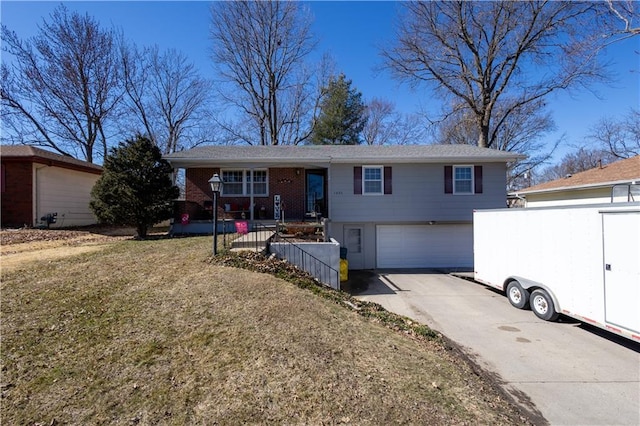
x=424, y=246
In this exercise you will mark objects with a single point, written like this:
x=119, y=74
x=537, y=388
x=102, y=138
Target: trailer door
x=621, y=243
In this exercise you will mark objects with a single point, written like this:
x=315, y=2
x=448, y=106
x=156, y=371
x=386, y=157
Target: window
x=239, y=182
x=259, y=182
x=462, y=180
x=372, y=179
x=233, y=182
x=354, y=240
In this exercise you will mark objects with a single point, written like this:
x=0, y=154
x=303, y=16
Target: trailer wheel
x=542, y=305
x=518, y=296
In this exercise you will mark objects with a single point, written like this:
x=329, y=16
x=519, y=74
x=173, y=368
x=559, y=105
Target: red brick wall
x=289, y=183
x=290, y=186
x=17, y=194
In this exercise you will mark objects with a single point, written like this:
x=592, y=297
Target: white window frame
x=247, y=187
x=455, y=180
x=365, y=180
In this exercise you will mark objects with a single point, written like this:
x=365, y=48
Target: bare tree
x=62, y=85
x=485, y=56
x=166, y=97
x=385, y=126
x=620, y=137
x=523, y=131
x=259, y=48
x=575, y=162
x=380, y=120
x=625, y=13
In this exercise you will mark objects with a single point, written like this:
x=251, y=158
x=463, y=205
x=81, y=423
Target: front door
x=354, y=242
x=315, y=193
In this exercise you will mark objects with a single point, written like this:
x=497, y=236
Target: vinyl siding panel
x=418, y=195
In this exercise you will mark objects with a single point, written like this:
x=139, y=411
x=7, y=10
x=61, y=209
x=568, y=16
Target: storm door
x=316, y=204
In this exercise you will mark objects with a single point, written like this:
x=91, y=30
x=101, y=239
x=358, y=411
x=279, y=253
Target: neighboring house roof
x=620, y=172
x=206, y=156
x=42, y=156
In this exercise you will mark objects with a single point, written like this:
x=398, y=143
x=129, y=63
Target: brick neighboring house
x=592, y=186
x=36, y=182
x=390, y=206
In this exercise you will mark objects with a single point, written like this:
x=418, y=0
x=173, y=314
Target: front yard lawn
x=152, y=332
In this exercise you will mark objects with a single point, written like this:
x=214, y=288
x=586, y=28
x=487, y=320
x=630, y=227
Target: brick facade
x=289, y=183
x=17, y=190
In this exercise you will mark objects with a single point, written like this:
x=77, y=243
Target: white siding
x=66, y=192
x=418, y=195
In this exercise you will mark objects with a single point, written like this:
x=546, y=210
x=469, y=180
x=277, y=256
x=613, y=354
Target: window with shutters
x=463, y=180
x=372, y=179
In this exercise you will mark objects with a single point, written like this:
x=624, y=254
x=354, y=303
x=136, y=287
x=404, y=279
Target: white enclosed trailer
x=579, y=261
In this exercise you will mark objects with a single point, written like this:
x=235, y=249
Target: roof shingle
x=622, y=171
x=28, y=151
x=339, y=153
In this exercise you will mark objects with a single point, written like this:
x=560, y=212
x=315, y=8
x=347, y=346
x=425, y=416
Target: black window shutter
x=387, y=180
x=477, y=179
x=448, y=179
x=357, y=180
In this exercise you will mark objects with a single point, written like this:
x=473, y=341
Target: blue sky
x=350, y=32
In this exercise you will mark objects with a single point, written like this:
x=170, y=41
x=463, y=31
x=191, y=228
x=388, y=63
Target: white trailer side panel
x=562, y=250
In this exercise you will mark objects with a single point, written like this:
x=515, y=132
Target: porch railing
x=290, y=251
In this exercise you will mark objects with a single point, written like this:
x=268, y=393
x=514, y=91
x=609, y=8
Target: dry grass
x=149, y=332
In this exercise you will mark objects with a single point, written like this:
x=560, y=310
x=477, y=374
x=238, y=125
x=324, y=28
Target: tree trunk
x=142, y=230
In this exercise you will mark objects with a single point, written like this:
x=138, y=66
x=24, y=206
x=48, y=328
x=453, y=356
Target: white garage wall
x=66, y=192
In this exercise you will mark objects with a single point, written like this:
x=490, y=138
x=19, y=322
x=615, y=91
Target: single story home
x=602, y=184
x=38, y=184
x=404, y=206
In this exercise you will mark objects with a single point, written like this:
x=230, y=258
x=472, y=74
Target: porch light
x=216, y=183
x=216, y=187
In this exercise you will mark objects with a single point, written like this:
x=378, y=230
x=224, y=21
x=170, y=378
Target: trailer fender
x=531, y=285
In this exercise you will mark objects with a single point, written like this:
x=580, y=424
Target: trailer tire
x=518, y=296
x=542, y=305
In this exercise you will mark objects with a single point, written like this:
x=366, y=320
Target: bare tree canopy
x=166, y=98
x=621, y=137
x=492, y=59
x=385, y=126
x=524, y=131
x=626, y=14
x=574, y=162
x=259, y=48
x=61, y=86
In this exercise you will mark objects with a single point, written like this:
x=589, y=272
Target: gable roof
x=208, y=156
x=42, y=156
x=623, y=171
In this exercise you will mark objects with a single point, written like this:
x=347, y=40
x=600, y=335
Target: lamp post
x=216, y=186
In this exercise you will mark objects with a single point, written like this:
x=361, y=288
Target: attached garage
x=424, y=246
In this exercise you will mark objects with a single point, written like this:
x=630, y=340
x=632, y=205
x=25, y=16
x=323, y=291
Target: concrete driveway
x=573, y=374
